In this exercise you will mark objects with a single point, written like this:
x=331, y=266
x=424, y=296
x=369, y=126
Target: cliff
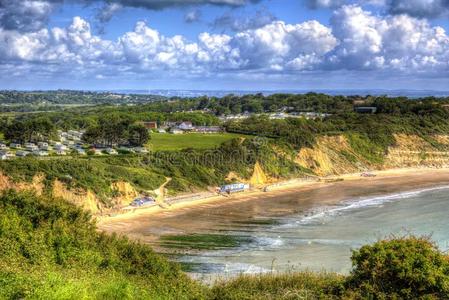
x=330, y=155
x=334, y=155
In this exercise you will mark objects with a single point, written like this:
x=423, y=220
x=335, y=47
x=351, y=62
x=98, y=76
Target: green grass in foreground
x=173, y=142
x=49, y=249
x=303, y=285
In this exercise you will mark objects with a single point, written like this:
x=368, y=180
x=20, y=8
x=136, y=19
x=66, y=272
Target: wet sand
x=222, y=213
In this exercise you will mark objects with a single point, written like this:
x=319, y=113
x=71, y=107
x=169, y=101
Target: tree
x=31, y=130
x=404, y=268
x=138, y=135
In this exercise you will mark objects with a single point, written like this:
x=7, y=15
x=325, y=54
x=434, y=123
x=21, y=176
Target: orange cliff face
x=86, y=199
x=258, y=178
x=36, y=185
x=326, y=158
x=124, y=192
x=330, y=155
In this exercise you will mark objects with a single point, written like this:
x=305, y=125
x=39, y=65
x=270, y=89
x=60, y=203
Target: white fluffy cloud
x=397, y=42
x=355, y=40
x=278, y=45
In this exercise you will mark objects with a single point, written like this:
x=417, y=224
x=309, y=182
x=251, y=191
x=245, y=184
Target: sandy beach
x=292, y=197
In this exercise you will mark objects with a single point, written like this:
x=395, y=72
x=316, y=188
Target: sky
x=224, y=44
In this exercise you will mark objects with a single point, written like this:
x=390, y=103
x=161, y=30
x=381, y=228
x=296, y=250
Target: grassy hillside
x=50, y=249
x=190, y=170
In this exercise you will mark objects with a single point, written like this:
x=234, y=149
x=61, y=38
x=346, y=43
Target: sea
x=323, y=238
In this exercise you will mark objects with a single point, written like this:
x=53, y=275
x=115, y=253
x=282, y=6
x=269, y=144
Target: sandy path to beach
x=203, y=215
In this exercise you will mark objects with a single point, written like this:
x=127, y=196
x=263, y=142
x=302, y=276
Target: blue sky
x=224, y=44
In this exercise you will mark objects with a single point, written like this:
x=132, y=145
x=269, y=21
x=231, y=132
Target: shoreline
x=107, y=223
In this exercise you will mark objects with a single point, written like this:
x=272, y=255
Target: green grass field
x=173, y=142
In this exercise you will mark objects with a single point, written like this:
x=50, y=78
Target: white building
x=46, y=148
x=31, y=147
x=140, y=150
x=176, y=131
x=185, y=126
x=59, y=147
x=80, y=151
x=61, y=152
x=40, y=153
x=6, y=154
x=111, y=151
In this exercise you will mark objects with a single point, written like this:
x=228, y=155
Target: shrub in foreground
x=402, y=268
x=49, y=249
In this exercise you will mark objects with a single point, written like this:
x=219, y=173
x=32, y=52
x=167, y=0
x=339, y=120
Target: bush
x=400, y=268
x=49, y=249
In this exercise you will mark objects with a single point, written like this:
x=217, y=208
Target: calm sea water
x=322, y=238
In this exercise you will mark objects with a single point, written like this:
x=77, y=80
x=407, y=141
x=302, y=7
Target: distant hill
x=334, y=92
x=66, y=97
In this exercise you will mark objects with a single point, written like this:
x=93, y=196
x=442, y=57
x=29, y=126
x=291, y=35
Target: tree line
x=115, y=130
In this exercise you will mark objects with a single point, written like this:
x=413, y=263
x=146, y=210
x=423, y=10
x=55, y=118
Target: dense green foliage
x=256, y=103
x=375, y=130
x=30, y=130
x=189, y=169
x=116, y=130
x=398, y=268
x=288, y=286
x=410, y=268
x=72, y=97
x=85, y=118
x=50, y=249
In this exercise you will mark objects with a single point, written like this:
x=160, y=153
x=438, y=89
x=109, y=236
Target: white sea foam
x=241, y=268
x=268, y=242
x=319, y=214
